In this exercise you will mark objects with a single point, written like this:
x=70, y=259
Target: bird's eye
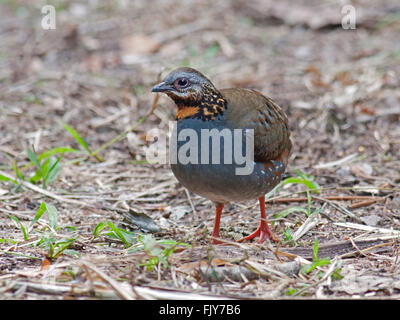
x=181, y=83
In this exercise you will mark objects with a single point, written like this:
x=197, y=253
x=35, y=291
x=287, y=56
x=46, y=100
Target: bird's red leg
x=263, y=230
x=215, y=233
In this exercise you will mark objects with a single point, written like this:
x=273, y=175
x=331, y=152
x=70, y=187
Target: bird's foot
x=218, y=242
x=263, y=232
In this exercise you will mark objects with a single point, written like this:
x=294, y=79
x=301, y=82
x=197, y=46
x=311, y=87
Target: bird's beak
x=161, y=87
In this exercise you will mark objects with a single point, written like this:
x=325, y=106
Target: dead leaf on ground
x=190, y=266
x=45, y=264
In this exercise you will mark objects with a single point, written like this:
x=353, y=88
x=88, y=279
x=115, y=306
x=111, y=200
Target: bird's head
x=193, y=93
x=184, y=84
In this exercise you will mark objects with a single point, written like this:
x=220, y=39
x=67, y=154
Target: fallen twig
x=362, y=204
x=367, y=228
x=340, y=249
x=340, y=208
x=356, y=247
x=362, y=252
x=310, y=223
x=338, y=198
x=190, y=201
x=336, y=162
x=119, y=290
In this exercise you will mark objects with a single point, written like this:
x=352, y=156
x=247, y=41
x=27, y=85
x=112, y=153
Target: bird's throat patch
x=204, y=110
x=186, y=112
x=206, y=105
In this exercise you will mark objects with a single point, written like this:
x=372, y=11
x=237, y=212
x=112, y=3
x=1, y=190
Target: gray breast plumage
x=212, y=161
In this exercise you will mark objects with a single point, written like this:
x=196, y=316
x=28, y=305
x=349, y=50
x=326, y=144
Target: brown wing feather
x=250, y=109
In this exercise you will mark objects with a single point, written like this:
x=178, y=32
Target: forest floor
x=77, y=226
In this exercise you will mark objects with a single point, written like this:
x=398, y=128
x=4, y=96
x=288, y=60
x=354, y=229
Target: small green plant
x=305, y=179
x=50, y=239
x=48, y=236
x=47, y=167
x=316, y=261
x=336, y=274
x=288, y=235
x=290, y=291
x=128, y=238
x=298, y=291
x=311, y=185
x=7, y=241
x=23, y=229
x=47, y=170
x=157, y=251
x=16, y=170
x=309, y=182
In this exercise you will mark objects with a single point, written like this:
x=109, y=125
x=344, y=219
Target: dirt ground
x=94, y=72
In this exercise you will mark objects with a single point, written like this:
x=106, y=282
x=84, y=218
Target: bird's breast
x=217, y=162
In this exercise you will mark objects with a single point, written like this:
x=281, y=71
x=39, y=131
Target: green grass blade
x=55, y=151
x=71, y=252
x=273, y=191
x=39, y=213
x=21, y=225
x=17, y=171
x=7, y=241
x=52, y=173
x=77, y=137
x=3, y=178
x=20, y=254
x=311, y=185
x=122, y=135
x=59, y=247
x=118, y=233
x=52, y=214
x=288, y=235
x=36, y=177
x=315, y=249
x=286, y=212
x=80, y=140
x=45, y=169
x=32, y=156
x=308, y=181
x=316, y=262
x=100, y=226
x=173, y=243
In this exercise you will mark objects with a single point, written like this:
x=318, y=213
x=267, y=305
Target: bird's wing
x=249, y=109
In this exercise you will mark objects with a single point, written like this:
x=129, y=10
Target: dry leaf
x=190, y=266
x=345, y=78
x=45, y=264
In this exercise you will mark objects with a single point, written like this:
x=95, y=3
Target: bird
x=201, y=108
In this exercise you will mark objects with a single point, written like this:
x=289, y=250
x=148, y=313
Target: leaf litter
x=73, y=95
